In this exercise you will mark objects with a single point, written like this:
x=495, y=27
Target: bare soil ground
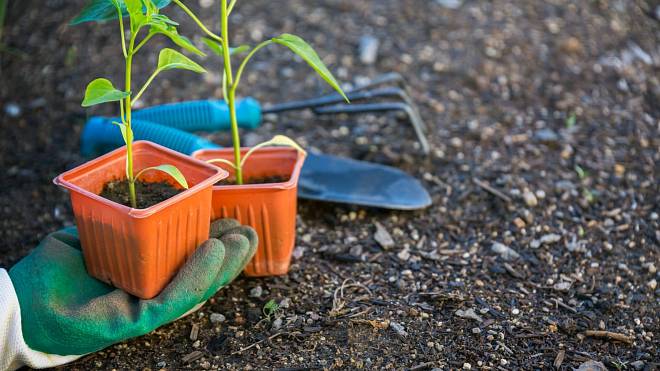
x=499, y=82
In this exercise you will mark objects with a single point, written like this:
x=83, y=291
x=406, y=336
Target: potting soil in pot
x=148, y=194
x=259, y=180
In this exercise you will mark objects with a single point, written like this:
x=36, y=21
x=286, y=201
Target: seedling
x=270, y=309
x=220, y=46
x=143, y=14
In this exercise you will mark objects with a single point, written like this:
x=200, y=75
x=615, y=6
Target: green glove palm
x=65, y=311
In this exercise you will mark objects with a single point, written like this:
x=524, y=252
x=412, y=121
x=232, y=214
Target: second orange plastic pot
x=140, y=250
x=270, y=209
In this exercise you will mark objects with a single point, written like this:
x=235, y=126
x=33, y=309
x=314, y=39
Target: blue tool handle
x=203, y=115
x=100, y=136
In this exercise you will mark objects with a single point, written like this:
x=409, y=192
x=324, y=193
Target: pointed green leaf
x=102, y=91
x=160, y=27
x=171, y=59
x=216, y=47
x=306, y=52
x=104, y=10
x=278, y=140
x=126, y=132
x=170, y=170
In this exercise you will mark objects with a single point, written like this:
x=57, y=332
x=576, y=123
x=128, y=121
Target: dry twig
x=609, y=336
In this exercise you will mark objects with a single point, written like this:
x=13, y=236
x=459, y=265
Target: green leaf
x=216, y=47
x=126, y=132
x=170, y=170
x=278, y=140
x=170, y=59
x=160, y=27
x=105, y=10
x=102, y=91
x=306, y=52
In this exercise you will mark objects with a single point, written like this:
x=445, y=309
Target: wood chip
x=194, y=332
x=609, y=336
x=559, y=359
x=192, y=357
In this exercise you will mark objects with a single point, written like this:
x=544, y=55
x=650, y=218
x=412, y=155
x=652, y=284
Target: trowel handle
x=100, y=136
x=203, y=115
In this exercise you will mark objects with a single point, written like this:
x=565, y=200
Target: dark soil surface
x=261, y=180
x=544, y=121
x=146, y=194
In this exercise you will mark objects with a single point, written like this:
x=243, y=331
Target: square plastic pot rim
x=220, y=174
x=291, y=183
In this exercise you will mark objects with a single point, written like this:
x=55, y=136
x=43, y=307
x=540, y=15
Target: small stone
x=404, y=254
x=546, y=136
x=550, y=238
x=383, y=237
x=196, y=344
x=637, y=365
x=205, y=3
x=476, y=330
x=530, y=198
x=256, y=292
x=467, y=366
x=368, y=49
x=592, y=366
x=519, y=223
x=217, y=318
x=504, y=251
x=161, y=364
x=399, y=329
x=469, y=314
x=450, y=4
x=356, y=250
x=277, y=324
x=13, y=110
x=654, y=216
x=285, y=303
x=652, y=284
x=515, y=311
x=562, y=286
x=298, y=252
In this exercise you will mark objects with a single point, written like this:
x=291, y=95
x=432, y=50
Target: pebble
x=161, y=364
x=205, y=3
x=637, y=365
x=217, y=318
x=368, y=49
x=515, y=311
x=399, y=329
x=562, y=286
x=298, y=252
x=592, y=366
x=450, y=4
x=383, y=237
x=13, y=110
x=476, y=330
x=277, y=324
x=504, y=251
x=469, y=314
x=530, y=198
x=545, y=240
x=404, y=254
x=467, y=366
x=256, y=292
x=546, y=136
x=285, y=303
x=652, y=284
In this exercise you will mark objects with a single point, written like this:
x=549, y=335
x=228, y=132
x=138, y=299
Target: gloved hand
x=64, y=313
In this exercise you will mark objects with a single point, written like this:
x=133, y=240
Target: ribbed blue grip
x=203, y=115
x=100, y=136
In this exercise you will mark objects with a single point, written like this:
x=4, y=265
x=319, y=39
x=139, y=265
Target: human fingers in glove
x=52, y=312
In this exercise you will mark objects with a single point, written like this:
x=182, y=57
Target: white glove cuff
x=14, y=353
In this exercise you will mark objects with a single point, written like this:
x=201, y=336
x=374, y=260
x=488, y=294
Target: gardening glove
x=52, y=312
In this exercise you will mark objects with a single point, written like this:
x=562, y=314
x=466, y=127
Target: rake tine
x=379, y=107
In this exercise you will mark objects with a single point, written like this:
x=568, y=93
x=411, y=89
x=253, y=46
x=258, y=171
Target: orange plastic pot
x=270, y=209
x=140, y=250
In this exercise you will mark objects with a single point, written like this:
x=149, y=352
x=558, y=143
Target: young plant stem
x=231, y=94
x=129, y=130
